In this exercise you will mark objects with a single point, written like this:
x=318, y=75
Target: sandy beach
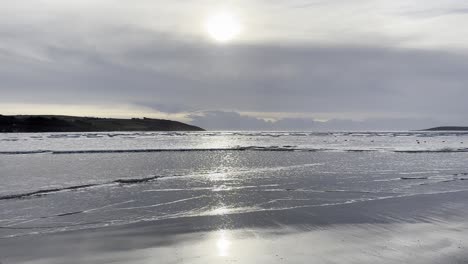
x=233, y=197
x=428, y=228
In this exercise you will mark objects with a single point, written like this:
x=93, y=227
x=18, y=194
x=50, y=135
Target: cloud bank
x=296, y=75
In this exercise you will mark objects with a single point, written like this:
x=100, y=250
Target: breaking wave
x=43, y=192
x=247, y=148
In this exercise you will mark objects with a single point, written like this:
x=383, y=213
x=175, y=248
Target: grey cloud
x=388, y=124
x=219, y=120
x=167, y=108
x=436, y=12
x=162, y=70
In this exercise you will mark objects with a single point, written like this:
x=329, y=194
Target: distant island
x=45, y=123
x=447, y=128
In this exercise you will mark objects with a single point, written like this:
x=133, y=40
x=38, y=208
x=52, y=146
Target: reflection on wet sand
x=362, y=243
x=223, y=243
x=386, y=243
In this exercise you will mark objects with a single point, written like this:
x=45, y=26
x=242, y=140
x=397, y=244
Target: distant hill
x=32, y=123
x=448, y=128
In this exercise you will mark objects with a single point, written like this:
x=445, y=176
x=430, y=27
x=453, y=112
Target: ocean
x=57, y=182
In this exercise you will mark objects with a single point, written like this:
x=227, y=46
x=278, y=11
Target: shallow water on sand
x=56, y=182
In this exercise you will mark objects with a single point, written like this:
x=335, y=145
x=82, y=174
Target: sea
x=57, y=182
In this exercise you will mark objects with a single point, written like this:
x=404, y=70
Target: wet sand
x=425, y=228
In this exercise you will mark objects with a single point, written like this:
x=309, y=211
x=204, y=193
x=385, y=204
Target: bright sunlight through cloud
x=223, y=27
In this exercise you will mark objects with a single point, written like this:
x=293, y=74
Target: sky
x=288, y=65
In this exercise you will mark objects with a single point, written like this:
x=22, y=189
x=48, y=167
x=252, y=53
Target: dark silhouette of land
x=448, y=128
x=43, y=123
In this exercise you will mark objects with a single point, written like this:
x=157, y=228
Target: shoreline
x=345, y=226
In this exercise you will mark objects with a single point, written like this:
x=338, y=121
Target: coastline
x=76, y=124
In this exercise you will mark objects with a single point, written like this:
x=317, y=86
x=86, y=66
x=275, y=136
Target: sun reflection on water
x=223, y=243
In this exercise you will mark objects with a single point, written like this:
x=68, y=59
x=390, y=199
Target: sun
x=223, y=27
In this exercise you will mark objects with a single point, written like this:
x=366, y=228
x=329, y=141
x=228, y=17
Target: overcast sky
x=295, y=64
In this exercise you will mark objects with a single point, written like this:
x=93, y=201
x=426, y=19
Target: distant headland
x=447, y=128
x=50, y=123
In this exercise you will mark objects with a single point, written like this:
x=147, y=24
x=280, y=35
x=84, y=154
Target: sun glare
x=223, y=27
